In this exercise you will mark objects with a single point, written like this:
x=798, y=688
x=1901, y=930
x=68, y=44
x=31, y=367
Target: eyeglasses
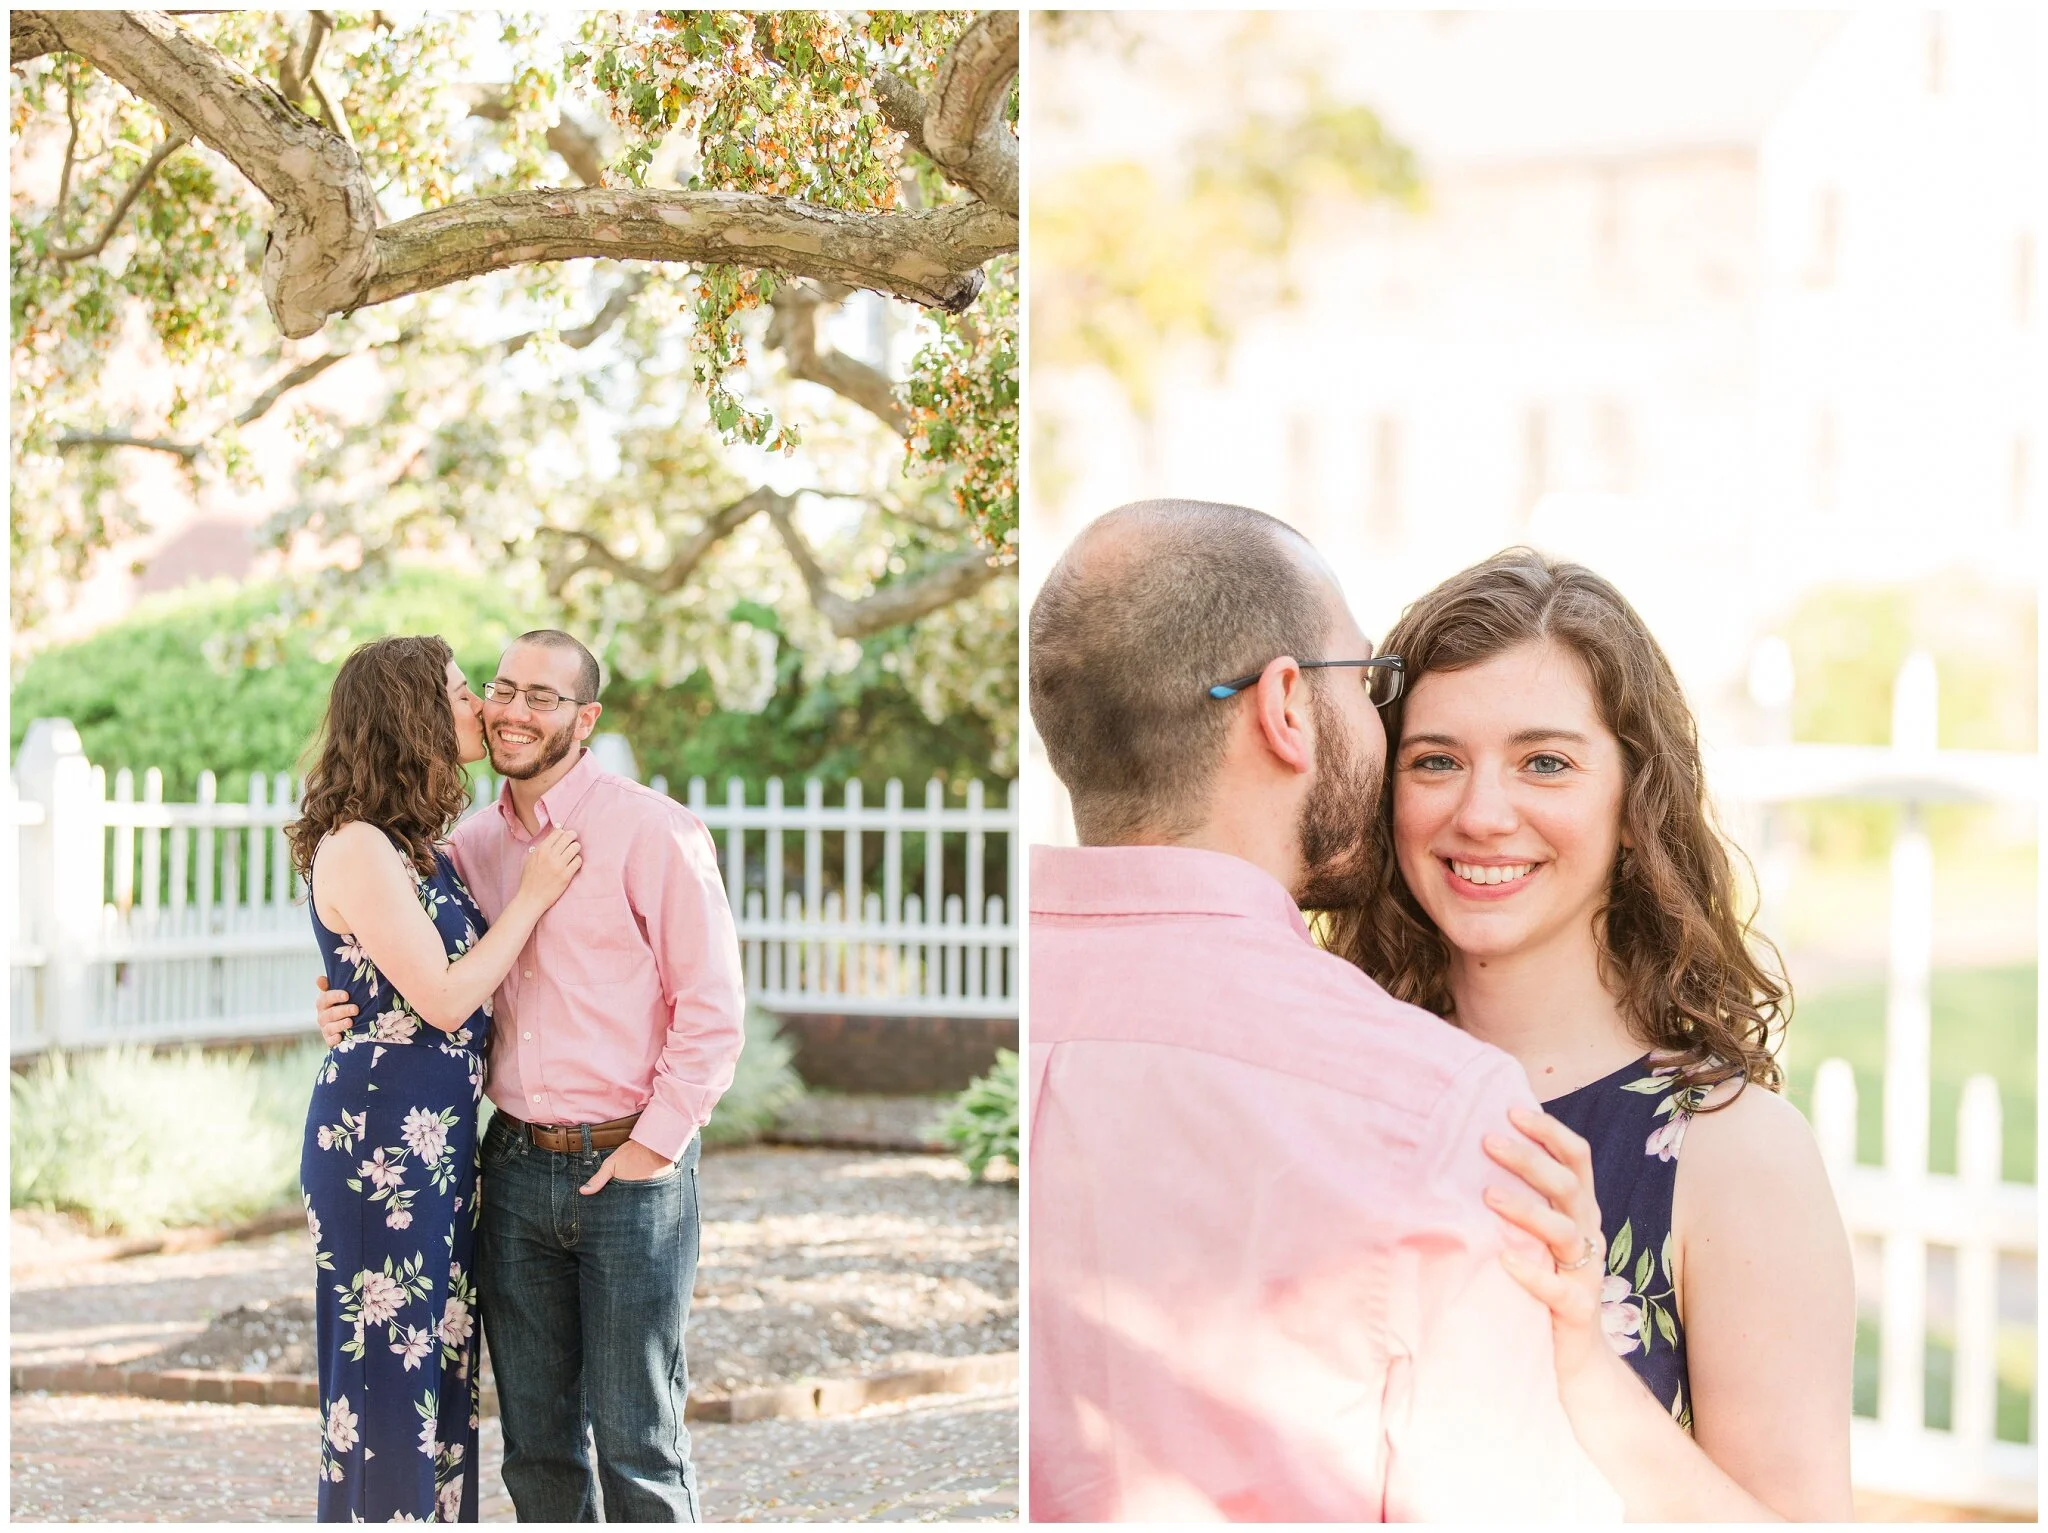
x=1385, y=685
x=539, y=699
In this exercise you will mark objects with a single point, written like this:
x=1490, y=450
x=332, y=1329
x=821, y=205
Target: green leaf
x=1644, y=1266
x=1618, y=1253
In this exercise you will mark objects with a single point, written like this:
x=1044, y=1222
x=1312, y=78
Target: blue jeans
x=583, y=1301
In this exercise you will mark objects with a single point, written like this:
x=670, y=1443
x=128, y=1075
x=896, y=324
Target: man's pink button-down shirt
x=1264, y=1286
x=628, y=995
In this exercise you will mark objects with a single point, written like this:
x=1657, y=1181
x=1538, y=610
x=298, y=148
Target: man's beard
x=553, y=747
x=1336, y=821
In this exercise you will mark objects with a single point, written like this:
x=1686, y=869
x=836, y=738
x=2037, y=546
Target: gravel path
x=944, y=1458
x=814, y=1262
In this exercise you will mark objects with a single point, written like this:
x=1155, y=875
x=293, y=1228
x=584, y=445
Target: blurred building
x=1727, y=305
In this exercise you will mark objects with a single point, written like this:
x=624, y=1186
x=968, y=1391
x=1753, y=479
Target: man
x=1264, y=1284
x=613, y=1038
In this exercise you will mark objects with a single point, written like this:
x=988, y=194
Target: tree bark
x=933, y=259
x=964, y=131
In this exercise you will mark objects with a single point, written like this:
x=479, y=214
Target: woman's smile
x=1484, y=879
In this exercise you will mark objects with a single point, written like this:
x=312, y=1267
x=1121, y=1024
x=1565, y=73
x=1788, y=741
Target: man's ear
x=586, y=719
x=1281, y=707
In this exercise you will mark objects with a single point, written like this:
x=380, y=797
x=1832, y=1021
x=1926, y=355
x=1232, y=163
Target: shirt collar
x=559, y=801
x=1156, y=880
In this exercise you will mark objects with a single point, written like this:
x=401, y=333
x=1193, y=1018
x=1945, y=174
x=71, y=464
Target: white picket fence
x=1900, y=1203
x=140, y=921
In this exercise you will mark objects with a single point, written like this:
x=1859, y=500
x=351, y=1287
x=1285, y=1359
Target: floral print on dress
x=1634, y=1122
x=389, y=1171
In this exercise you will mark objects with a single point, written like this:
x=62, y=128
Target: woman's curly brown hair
x=1673, y=948
x=386, y=753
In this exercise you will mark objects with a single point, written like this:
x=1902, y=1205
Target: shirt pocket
x=589, y=941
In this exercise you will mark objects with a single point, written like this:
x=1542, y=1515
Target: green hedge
x=218, y=677
x=223, y=677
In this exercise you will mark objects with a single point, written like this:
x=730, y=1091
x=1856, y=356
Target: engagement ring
x=1592, y=1249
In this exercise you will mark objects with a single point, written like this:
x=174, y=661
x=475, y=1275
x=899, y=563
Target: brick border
x=192, y=1238
x=800, y=1399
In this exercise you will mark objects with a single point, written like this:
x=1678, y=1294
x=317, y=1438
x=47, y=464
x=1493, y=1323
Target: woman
x=1557, y=889
x=389, y=1165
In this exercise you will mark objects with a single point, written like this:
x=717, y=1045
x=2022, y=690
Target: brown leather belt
x=567, y=1139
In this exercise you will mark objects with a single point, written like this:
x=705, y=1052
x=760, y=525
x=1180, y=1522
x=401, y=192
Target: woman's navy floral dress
x=390, y=1177
x=1635, y=1120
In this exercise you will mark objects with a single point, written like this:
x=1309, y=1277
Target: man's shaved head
x=1150, y=606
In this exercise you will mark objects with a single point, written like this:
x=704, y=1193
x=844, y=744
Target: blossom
x=430, y=1437
x=425, y=1134
x=455, y=1322
x=417, y=1343
x=451, y=1500
x=383, y=1297
x=334, y=1473
x=395, y=1026
x=341, y=1426
x=1619, y=1319
x=1665, y=1139
x=398, y=1218
x=326, y=1136
x=355, y=1125
x=385, y=1173
x=312, y=1223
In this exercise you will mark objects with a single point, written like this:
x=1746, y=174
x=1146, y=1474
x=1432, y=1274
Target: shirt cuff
x=664, y=1130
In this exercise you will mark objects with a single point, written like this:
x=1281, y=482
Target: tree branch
x=73, y=440
x=964, y=131
x=581, y=149
x=176, y=139
x=940, y=586
x=934, y=259
x=326, y=254
x=903, y=107
x=794, y=331
x=691, y=553
x=322, y=252
x=581, y=336
x=70, y=150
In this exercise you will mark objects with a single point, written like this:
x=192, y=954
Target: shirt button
x=536, y=1096
x=526, y=1035
x=529, y=974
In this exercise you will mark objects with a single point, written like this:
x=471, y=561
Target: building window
x=1383, y=501
x=1304, y=489
x=1824, y=459
x=2023, y=280
x=1535, y=458
x=1827, y=234
x=1614, y=445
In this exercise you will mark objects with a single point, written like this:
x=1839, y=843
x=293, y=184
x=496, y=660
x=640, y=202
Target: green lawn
x=1984, y=1022
x=2015, y=1378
